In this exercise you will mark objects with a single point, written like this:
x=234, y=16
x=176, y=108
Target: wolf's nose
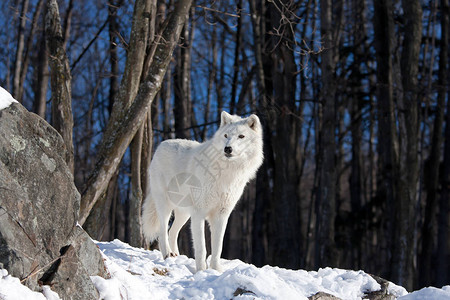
x=228, y=150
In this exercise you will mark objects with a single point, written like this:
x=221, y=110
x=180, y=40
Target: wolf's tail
x=150, y=221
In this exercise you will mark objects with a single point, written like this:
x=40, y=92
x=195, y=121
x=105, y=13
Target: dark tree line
x=353, y=97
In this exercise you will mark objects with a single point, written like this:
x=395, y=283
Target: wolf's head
x=239, y=139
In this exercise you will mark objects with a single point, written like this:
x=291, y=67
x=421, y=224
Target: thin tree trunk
x=99, y=223
x=68, y=22
x=166, y=89
x=18, y=64
x=136, y=148
x=41, y=84
x=122, y=129
x=356, y=177
x=211, y=77
x=280, y=68
x=182, y=84
x=263, y=194
x=62, y=119
x=387, y=147
x=427, y=262
x=403, y=254
x=220, y=78
x=28, y=47
x=136, y=195
x=236, y=65
x=326, y=196
x=442, y=273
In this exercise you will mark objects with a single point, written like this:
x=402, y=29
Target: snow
x=5, y=98
x=142, y=274
x=429, y=293
x=12, y=289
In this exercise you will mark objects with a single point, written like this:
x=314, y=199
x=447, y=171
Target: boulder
x=40, y=242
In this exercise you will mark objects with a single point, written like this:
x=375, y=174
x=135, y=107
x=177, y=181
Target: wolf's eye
x=225, y=135
x=241, y=136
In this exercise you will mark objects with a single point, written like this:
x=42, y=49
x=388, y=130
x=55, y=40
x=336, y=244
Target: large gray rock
x=39, y=240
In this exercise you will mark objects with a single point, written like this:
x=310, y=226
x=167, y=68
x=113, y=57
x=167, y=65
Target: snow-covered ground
x=142, y=274
x=5, y=98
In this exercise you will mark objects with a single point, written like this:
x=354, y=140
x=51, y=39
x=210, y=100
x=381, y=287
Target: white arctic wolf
x=201, y=181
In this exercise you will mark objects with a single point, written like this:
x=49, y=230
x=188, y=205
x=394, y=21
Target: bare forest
x=353, y=96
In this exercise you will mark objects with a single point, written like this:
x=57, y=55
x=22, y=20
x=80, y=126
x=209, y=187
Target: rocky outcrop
x=40, y=242
x=382, y=294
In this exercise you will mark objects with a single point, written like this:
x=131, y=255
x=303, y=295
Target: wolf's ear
x=253, y=122
x=225, y=118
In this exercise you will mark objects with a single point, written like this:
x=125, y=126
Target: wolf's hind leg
x=164, y=213
x=180, y=219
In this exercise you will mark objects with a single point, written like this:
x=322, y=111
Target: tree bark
x=41, y=83
x=136, y=147
x=325, y=254
x=404, y=206
x=387, y=145
x=18, y=64
x=236, y=65
x=356, y=111
x=263, y=194
x=182, y=85
x=123, y=128
x=427, y=259
x=62, y=119
x=442, y=273
x=279, y=113
x=28, y=47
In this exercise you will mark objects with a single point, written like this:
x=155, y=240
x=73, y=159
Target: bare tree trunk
x=427, y=261
x=28, y=47
x=135, y=62
x=326, y=195
x=18, y=64
x=99, y=225
x=356, y=176
x=219, y=80
x=136, y=195
x=41, y=83
x=212, y=75
x=182, y=85
x=403, y=255
x=442, y=273
x=68, y=22
x=62, y=119
x=136, y=147
x=387, y=147
x=123, y=128
x=236, y=65
x=280, y=115
x=263, y=195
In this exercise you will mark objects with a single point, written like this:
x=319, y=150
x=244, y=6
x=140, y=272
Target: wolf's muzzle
x=228, y=150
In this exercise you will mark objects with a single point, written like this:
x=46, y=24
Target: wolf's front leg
x=218, y=226
x=198, y=235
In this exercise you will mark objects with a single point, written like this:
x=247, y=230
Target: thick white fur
x=223, y=179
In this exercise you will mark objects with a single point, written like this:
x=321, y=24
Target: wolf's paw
x=171, y=254
x=201, y=266
x=217, y=266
